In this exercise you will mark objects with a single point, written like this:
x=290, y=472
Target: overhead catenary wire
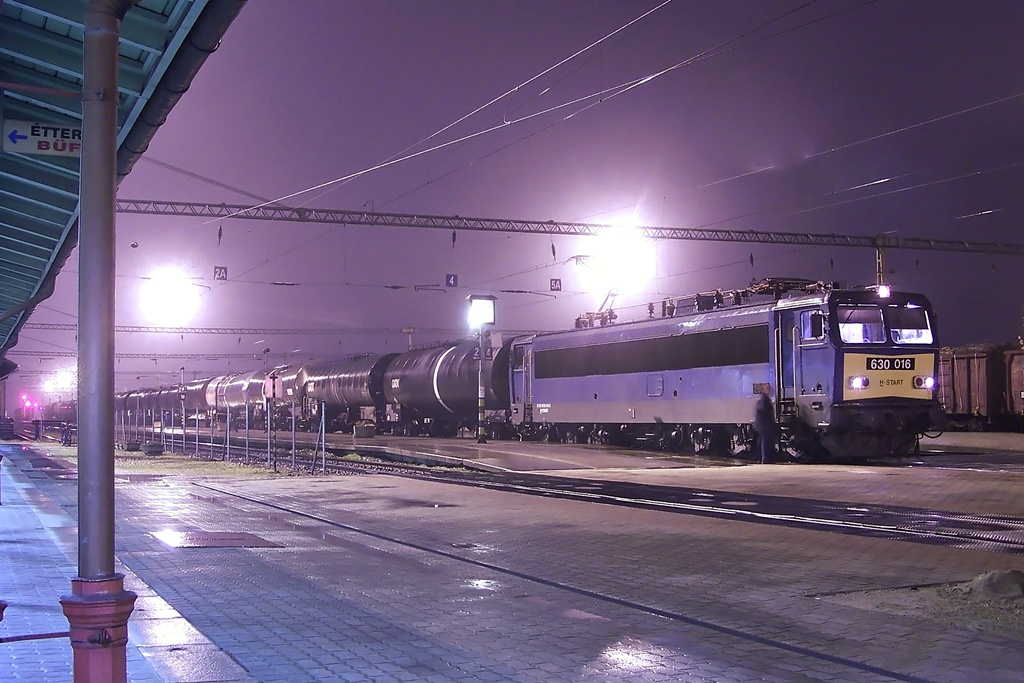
x=600, y=96
x=721, y=48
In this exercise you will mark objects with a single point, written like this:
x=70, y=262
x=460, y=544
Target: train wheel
x=675, y=439
x=623, y=436
x=803, y=447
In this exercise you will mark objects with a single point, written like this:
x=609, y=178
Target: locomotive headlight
x=921, y=382
x=857, y=382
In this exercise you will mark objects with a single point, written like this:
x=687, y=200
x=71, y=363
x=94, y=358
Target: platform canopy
x=163, y=44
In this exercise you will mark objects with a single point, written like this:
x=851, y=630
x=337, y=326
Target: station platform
x=368, y=578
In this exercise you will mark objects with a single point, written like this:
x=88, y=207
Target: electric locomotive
x=851, y=374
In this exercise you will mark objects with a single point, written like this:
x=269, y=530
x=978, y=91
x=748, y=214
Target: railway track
x=991, y=533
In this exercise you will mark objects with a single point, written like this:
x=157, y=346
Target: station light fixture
x=481, y=312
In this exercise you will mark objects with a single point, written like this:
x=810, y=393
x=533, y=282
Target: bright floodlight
x=65, y=379
x=481, y=310
x=168, y=297
x=621, y=261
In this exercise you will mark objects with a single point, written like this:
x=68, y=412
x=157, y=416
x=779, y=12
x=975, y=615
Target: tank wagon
x=61, y=411
x=434, y=391
x=851, y=374
x=342, y=391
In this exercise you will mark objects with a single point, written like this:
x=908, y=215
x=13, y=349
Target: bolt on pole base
x=98, y=612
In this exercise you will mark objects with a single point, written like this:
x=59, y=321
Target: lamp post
x=481, y=312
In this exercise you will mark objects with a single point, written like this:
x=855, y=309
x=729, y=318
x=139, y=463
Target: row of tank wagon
x=60, y=411
x=427, y=391
x=851, y=373
x=981, y=386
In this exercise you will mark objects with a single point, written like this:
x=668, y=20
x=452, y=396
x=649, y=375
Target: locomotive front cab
x=886, y=360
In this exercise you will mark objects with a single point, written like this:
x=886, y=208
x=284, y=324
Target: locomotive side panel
x=702, y=370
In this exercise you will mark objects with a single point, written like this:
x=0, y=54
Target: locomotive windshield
x=873, y=324
x=861, y=324
x=908, y=324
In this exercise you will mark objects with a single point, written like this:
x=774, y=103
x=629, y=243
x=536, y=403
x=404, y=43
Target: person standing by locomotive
x=766, y=427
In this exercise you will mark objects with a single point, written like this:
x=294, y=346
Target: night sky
x=900, y=117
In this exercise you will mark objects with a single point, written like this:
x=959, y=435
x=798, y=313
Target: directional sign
x=451, y=280
x=34, y=137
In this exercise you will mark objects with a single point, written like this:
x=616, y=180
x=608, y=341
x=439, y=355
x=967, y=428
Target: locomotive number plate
x=890, y=363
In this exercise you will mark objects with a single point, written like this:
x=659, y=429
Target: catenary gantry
x=278, y=212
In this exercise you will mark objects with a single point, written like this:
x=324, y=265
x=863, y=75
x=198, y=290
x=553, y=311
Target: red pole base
x=98, y=612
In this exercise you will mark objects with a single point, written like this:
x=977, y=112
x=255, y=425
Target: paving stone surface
x=380, y=578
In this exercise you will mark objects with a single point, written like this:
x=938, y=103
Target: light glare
x=621, y=262
x=481, y=311
x=169, y=297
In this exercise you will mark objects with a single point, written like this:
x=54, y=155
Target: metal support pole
x=293, y=434
x=481, y=435
x=227, y=432
x=213, y=424
x=247, y=429
x=266, y=401
x=270, y=419
x=96, y=295
x=99, y=607
x=197, y=431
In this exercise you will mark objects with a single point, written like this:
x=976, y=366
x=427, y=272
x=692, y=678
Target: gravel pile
x=992, y=602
